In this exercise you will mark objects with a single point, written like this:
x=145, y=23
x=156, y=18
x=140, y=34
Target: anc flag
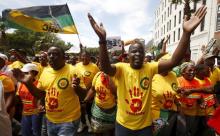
x=54, y=18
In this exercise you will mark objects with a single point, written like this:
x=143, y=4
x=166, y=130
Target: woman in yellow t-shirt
x=104, y=105
x=164, y=87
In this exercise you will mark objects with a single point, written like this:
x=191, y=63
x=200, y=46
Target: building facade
x=169, y=20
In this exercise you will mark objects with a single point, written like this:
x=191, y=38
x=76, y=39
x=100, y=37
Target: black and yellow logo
x=144, y=83
x=174, y=86
x=87, y=73
x=63, y=83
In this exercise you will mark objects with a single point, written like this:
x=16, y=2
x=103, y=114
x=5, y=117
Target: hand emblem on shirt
x=136, y=100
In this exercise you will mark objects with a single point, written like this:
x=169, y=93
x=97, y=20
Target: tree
x=3, y=38
x=33, y=42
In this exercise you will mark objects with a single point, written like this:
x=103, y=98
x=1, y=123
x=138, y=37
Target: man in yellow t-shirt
x=135, y=78
x=56, y=84
x=87, y=71
x=43, y=63
x=21, y=59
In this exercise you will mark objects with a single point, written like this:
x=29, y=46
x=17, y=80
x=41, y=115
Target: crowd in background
x=125, y=94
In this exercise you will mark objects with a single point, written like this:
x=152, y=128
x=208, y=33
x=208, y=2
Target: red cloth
x=213, y=122
x=192, y=98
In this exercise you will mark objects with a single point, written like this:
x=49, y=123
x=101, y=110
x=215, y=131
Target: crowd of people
x=124, y=95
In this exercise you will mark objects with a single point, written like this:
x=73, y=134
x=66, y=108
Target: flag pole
x=80, y=43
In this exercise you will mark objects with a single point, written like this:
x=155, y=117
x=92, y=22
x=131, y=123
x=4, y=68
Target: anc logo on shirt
x=63, y=83
x=87, y=73
x=144, y=83
x=174, y=86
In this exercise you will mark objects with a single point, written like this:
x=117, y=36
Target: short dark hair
x=200, y=67
x=60, y=48
x=136, y=41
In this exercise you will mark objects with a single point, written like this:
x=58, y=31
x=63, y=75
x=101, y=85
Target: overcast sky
x=126, y=18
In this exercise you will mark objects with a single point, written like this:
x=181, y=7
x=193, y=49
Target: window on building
x=204, y=2
x=158, y=34
x=165, y=3
x=170, y=9
x=175, y=6
x=169, y=40
x=175, y=21
x=174, y=33
x=202, y=26
x=162, y=19
x=170, y=25
x=168, y=12
x=180, y=16
x=194, y=6
x=167, y=26
x=165, y=16
x=164, y=29
x=179, y=34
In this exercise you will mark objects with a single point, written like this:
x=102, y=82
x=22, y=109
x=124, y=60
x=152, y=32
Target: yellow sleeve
x=96, y=69
x=119, y=68
x=16, y=64
x=156, y=85
x=154, y=67
x=8, y=84
x=41, y=81
x=95, y=79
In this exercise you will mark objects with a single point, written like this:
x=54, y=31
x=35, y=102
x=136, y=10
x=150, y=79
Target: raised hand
x=75, y=82
x=22, y=77
x=99, y=29
x=190, y=25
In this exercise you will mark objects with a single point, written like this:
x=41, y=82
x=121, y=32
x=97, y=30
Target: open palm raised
x=22, y=77
x=190, y=25
x=99, y=29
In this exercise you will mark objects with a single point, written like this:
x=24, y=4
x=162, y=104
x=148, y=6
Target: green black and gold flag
x=54, y=18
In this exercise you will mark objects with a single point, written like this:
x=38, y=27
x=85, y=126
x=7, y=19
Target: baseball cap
x=4, y=57
x=209, y=55
x=29, y=67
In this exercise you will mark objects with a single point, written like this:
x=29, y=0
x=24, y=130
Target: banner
x=53, y=18
x=114, y=43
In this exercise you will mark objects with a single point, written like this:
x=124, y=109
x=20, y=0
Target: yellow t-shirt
x=62, y=103
x=8, y=83
x=16, y=64
x=40, y=69
x=134, y=95
x=103, y=98
x=215, y=75
x=87, y=72
x=163, y=93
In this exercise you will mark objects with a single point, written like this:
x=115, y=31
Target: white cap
x=4, y=57
x=29, y=67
